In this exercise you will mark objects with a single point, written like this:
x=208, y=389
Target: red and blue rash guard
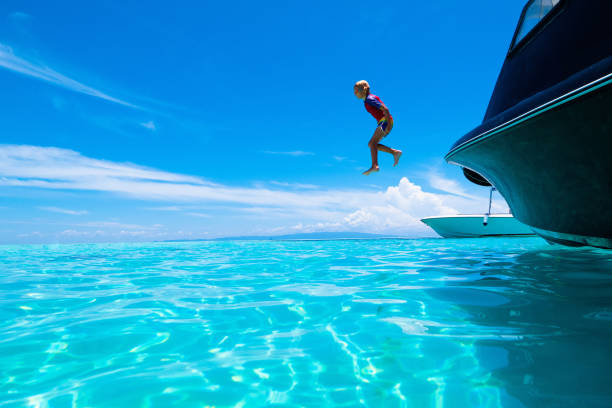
x=373, y=104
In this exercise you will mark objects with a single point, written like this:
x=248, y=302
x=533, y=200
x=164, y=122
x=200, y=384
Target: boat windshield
x=534, y=12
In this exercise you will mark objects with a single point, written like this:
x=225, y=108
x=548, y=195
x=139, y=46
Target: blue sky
x=130, y=121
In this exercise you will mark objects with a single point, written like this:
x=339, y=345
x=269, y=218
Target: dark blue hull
x=553, y=165
x=546, y=139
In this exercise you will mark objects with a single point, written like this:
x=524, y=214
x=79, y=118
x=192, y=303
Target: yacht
x=545, y=142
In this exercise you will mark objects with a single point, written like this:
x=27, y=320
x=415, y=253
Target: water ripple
x=393, y=323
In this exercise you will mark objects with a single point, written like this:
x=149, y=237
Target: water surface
x=373, y=323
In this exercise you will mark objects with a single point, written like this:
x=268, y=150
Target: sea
x=489, y=322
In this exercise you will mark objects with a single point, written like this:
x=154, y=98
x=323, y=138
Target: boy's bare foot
x=396, y=157
x=371, y=170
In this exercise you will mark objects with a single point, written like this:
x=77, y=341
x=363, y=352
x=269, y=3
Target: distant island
x=297, y=237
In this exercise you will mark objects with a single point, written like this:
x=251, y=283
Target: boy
x=374, y=105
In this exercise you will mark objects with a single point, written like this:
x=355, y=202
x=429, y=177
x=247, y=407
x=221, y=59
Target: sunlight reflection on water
x=430, y=322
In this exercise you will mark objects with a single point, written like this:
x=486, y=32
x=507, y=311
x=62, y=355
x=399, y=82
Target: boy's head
x=361, y=89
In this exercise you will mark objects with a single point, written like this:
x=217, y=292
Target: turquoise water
x=373, y=323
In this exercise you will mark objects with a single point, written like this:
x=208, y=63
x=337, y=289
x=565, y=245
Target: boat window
x=534, y=12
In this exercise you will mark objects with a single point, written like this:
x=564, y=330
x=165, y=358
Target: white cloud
x=116, y=225
x=149, y=125
x=448, y=185
x=397, y=209
x=64, y=211
x=294, y=185
x=166, y=208
x=14, y=63
x=341, y=159
x=30, y=234
x=76, y=233
x=452, y=186
x=51, y=167
x=199, y=215
x=19, y=15
x=81, y=235
x=400, y=208
x=295, y=153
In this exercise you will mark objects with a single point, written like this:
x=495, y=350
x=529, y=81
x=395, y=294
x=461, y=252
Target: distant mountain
x=302, y=236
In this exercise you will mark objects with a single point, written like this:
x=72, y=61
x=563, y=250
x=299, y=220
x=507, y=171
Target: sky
x=138, y=121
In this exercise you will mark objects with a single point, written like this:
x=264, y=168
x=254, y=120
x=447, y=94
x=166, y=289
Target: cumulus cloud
x=396, y=209
x=9, y=60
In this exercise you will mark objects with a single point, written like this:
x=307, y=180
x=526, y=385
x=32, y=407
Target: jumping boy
x=384, y=120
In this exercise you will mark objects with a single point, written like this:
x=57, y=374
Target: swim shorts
x=383, y=124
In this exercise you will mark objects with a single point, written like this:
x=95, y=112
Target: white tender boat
x=466, y=226
x=474, y=225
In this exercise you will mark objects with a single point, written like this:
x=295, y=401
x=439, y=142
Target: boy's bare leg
x=396, y=153
x=375, y=147
x=396, y=157
x=373, y=144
